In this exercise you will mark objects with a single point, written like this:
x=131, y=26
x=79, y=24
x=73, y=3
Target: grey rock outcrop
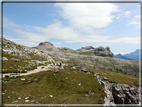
x=105, y=52
x=89, y=49
x=119, y=93
x=47, y=46
x=4, y=59
x=125, y=94
x=15, y=60
x=100, y=51
x=98, y=77
x=105, y=79
x=67, y=49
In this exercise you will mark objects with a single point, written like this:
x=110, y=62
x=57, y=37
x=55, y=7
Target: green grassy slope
x=117, y=77
x=67, y=87
x=25, y=64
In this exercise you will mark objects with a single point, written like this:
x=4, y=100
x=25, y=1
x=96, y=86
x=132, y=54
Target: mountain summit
x=121, y=57
x=47, y=46
x=133, y=55
x=99, y=51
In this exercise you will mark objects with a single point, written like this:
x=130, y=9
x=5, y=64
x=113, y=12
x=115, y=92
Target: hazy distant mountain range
x=121, y=57
x=131, y=56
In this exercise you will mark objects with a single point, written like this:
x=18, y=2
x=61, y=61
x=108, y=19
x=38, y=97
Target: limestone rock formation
x=125, y=94
x=4, y=59
x=67, y=49
x=47, y=46
x=119, y=93
x=105, y=52
x=86, y=49
x=100, y=51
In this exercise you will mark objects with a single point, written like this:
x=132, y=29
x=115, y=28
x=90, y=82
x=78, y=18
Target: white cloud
x=119, y=16
x=9, y=24
x=131, y=40
x=58, y=43
x=135, y=20
x=127, y=13
x=58, y=31
x=67, y=34
x=86, y=16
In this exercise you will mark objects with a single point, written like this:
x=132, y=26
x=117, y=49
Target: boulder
x=98, y=77
x=4, y=59
x=73, y=67
x=105, y=79
x=15, y=60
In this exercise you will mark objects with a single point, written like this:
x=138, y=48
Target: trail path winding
x=39, y=69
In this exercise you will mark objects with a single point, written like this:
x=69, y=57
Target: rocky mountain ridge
x=129, y=67
x=133, y=55
x=99, y=51
x=29, y=57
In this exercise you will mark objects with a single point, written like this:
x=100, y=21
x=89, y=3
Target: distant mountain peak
x=121, y=57
x=133, y=55
x=47, y=46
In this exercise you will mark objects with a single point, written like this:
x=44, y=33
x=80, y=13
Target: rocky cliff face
x=116, y=93
x=47, y=46
x=119, y=93
x=100, y=51
x=105, y=52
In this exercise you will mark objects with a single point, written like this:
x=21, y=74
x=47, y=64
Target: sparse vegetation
x=66, y=86
x=117, y=77
x=24, y=64
x=56, y=86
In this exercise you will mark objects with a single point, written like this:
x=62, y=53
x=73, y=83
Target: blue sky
x=74, y=25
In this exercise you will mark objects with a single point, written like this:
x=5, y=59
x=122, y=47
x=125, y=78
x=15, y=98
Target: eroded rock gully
x=119, y=93
x=116, y=93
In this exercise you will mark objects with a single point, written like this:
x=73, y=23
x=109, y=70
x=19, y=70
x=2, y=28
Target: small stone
x=27, y=101
x=27, y=98
x=15, y=101
x=32, y=101
x=73, y=67
x=92, y=93
x=105, y=79
x=22, y=79
x=19, y=98
x=51, y=96
x=4, y=59
x=8, y=97
x=86, y=95
x=79, y=84
x=15, y=60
